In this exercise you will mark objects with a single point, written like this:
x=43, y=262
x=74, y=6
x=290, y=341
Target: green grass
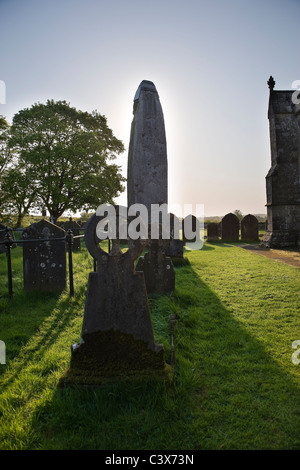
x=235, y=385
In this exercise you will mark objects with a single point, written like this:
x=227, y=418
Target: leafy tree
x=68, y=155
x=18, y=193
x=4, y=152
x=239, y=214
x=6, y=156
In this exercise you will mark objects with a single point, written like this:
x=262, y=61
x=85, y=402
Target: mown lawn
x=235, y=384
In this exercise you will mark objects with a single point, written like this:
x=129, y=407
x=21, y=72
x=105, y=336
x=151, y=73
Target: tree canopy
x=64, y=158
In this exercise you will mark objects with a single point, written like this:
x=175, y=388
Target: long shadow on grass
x=52, y=320
x=228, y=392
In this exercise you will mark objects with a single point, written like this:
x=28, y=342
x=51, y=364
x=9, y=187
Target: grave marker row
x=229, y=227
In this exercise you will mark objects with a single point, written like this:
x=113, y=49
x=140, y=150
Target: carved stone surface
x=147, y=179
x=44, y=263
x=283, y=178
x=158, y=269
x=117, y=338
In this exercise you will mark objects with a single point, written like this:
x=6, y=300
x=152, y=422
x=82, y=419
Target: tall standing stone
x=44, y=260
x=147, y=178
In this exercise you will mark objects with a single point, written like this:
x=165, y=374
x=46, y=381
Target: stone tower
x=283, y=178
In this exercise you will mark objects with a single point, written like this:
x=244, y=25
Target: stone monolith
x=147, y=178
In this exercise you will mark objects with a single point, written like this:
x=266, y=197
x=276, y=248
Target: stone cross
x=117, y=338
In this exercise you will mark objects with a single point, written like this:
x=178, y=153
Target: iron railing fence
x=68, y=239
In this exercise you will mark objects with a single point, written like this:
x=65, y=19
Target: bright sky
x=209, y=59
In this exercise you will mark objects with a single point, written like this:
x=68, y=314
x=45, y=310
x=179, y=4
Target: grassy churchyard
x=235, y=384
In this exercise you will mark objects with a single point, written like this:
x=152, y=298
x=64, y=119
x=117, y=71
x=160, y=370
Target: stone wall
x=283, y=178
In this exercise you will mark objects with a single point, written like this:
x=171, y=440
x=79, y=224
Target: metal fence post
x=69, y=239
x=8, y=245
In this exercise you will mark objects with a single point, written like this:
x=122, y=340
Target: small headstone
x=212, y=232
x=158, y=269
x=117, y=340
x=75, y=227
x=44, y=262
x=249, y=228
x=174, y=246
x=174, y=249
x=230, y=228
x=3, y=231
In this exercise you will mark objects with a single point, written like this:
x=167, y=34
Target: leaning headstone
x=117, y=340
x=249, y=228
x=230, y=228
x=44, y=262
x=147, y=179
x=212, y=232
x=158, y=269
x=3, y=231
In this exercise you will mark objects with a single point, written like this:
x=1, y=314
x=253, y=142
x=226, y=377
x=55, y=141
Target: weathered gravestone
x=75, y=227
x=3, y=231
x=117, y=340
x=212, y=232
x=249, y=228
x=158, y=269
x=44, y=262
x=230, y=228
x=174, y=247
